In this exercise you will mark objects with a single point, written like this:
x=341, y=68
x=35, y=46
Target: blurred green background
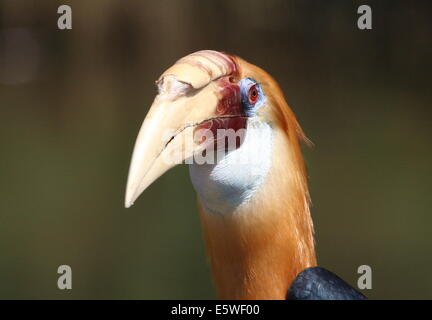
x=71, y=103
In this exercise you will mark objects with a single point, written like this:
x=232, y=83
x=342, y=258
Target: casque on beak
x=199, y=91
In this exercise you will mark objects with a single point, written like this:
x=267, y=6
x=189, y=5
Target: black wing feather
x=317, y=283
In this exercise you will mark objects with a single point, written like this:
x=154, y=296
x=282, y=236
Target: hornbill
x=253, y=198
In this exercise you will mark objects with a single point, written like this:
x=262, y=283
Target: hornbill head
x=202, y=93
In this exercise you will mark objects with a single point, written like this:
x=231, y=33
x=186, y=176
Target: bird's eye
x=253, y=94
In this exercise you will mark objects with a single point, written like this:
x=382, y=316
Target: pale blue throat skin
x=232, y=181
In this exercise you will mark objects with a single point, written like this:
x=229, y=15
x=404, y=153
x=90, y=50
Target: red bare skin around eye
x=229, y=112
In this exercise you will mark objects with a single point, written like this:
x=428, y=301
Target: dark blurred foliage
x=72, y=102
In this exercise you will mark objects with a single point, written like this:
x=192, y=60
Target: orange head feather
x=257, y=249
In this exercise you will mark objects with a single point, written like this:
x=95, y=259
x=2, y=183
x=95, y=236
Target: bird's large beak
x=186, y=100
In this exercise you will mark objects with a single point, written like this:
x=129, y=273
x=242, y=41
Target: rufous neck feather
x=257, y=250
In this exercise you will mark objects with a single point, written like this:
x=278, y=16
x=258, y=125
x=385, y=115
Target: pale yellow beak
x=189, y=95
x=166, y=137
